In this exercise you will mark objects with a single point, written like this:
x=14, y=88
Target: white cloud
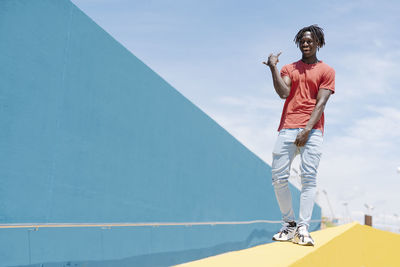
x=359, y=166
x=253, y=121
x=364, y=74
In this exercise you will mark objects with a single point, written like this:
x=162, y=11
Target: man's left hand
x=302, y=138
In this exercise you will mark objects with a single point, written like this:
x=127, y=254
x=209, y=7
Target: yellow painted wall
x=347, y=245
x=359, y=246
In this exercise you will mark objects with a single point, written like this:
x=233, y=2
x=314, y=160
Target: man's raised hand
x=272, y=59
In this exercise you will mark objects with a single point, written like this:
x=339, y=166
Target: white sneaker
x=302, y=236
x=286, y=233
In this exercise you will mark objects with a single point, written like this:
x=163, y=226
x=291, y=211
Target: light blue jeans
x=283, y=154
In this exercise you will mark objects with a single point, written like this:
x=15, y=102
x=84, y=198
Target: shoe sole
x=304, y=244
x=282, y=240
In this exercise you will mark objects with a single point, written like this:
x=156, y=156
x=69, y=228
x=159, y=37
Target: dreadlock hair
x=317, y=33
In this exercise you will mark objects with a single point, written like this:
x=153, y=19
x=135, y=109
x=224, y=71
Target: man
x=306, y=85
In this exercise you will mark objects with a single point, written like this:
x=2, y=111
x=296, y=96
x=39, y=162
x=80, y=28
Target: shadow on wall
x=257, y=237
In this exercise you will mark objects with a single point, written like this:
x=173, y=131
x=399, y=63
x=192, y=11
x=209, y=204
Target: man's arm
x=322, y=99
x=282, y=85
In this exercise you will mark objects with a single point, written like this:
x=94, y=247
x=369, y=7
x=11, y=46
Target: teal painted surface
x=91, y=134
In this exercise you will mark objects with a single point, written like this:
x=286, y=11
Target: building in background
x=103, y=162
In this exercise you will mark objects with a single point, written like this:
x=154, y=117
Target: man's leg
x=283, y=154
x=310, y=156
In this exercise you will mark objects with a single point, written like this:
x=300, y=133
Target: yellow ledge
x=346, y=245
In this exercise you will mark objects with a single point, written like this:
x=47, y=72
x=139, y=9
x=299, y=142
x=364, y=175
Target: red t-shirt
x=307, y=79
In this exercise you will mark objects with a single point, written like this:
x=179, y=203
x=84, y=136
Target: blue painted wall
x=91, y=134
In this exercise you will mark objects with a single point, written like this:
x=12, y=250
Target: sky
x=211, y=51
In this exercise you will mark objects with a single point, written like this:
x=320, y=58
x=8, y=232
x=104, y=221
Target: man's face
x=308, y=45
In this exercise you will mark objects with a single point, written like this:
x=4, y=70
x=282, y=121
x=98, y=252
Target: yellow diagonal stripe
x=347, y=245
